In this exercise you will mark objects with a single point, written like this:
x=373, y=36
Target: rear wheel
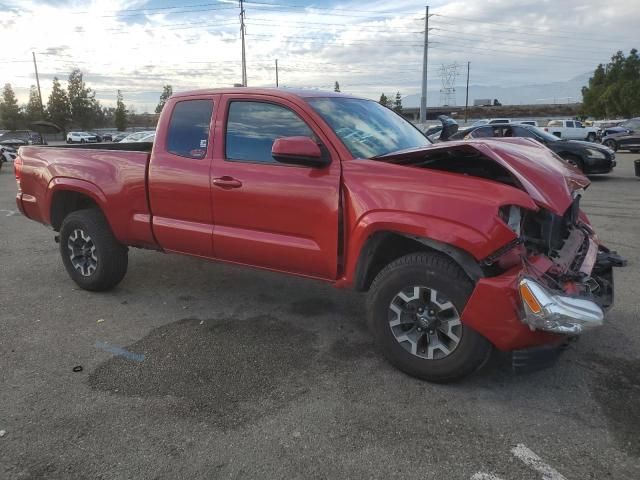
x=414, y=308
x=92, y=256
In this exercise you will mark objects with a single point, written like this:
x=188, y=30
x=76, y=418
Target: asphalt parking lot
x=197, y=370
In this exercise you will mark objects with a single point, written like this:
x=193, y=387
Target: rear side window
x=483, y=132
x=570, y=124
x=188, y=134
x=252, y=127
x=522, y=132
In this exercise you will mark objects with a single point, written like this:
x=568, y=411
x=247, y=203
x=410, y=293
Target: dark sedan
x=627, y=139
x=589, y=157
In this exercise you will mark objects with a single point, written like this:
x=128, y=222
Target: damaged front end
x=557, y=278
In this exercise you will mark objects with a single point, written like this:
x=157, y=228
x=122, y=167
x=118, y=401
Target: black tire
x=612, y=144
x=574, y=160
x=82, y=140
x=111, y=256
x=591, y=137
x=439, y=272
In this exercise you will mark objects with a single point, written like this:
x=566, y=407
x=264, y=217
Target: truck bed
x=113, y=174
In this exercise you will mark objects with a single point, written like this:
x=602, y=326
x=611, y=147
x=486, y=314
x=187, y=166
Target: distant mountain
x=569, y=91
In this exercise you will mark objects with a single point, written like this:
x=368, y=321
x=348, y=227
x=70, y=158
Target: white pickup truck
x=571, y=130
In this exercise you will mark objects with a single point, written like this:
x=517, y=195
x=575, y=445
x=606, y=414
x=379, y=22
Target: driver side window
x=252, y=127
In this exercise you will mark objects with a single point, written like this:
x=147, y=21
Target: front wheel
x=610, y=143
x=575, y=161
x=414, y=308
x=591, y=137
x=92, y=256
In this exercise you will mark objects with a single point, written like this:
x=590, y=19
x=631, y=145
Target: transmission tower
x=448, y=74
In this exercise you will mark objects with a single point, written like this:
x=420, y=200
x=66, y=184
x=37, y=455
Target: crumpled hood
x=544, y=175
x=547, y=178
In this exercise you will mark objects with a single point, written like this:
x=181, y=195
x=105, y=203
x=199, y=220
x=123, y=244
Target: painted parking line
x=531, y=460
x=9, y=213
x=119, y=352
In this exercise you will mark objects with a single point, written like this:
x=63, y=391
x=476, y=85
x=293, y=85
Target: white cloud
x=368, y=47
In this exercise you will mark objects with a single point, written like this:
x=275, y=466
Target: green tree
x=384, y=101
x=81, y=100
x=167, y=91
x=397, y=104
x=58, y=108
x=336, y=87
x=120, y=114
x=33, y=110
x=9, y=109
x=614, y=89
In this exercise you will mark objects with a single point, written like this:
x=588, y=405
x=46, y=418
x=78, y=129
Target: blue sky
x=369, y=47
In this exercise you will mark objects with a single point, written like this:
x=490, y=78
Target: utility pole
x=466, y=102
x=276, y=72
x=423, y=97
x=242, y=32
x=38, y=82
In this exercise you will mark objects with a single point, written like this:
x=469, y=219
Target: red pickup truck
x=463, y=247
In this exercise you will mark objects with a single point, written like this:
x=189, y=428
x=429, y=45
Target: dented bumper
x=499, y=311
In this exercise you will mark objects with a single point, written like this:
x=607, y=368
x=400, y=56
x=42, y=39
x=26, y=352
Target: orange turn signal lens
x=529, y=298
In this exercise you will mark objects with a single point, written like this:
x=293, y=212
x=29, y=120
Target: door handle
x=226, y=182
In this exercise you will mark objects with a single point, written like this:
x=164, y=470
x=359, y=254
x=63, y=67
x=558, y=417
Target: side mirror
x=298, y=151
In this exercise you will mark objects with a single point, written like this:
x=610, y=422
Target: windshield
x=541, y=133
x=367, y=128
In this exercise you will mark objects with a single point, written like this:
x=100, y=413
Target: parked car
x=490, y=121
x=149, y=138
x=432, y=130
x=98, y=137
x=17, y=138
x=533, y=123
x=571, y=130
x=119, y=136
x=590, y=158
x=107, y=137
x=81, y=137
x=135, y=137
x=626, y=139
x=7, y=154
x=462, y=247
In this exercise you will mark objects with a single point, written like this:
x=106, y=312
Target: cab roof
x=276, y=92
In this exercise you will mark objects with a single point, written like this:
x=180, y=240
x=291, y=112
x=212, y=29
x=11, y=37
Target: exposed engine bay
x=460, y=159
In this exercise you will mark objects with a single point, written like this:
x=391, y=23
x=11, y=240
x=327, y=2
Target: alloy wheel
x=425, y=323
x=82, y=252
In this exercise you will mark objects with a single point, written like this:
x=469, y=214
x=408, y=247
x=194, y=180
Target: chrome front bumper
x=557, y=313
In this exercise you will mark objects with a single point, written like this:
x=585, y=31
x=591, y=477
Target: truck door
x=178, y=178
x=269, y=214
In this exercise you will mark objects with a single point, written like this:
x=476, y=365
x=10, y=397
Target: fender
x=463, y=243
x=85, y=187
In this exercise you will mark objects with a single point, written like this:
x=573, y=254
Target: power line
x=511, y=26
x=489, y=37
x=527, y=33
